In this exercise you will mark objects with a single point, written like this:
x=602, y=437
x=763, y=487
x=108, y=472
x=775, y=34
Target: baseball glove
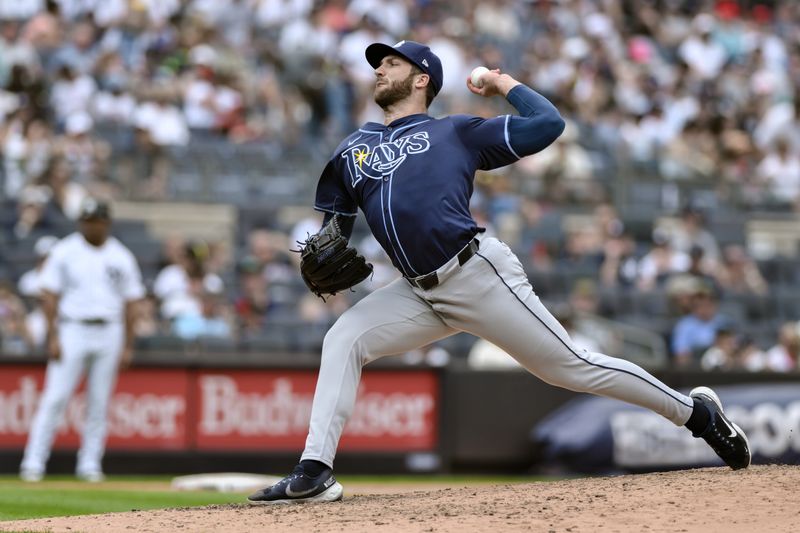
x=328, y=265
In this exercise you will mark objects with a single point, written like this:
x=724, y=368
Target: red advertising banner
x=270, y=410
x=148, y=409
x=257, y=409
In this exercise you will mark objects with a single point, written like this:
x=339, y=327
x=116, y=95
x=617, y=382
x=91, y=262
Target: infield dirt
x=760, y=499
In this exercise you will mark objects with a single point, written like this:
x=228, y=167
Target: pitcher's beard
x=396, y=91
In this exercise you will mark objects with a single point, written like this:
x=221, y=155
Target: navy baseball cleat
x=297, y=487
x=724, y=437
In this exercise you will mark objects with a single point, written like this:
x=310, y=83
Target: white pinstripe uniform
x=93, y=285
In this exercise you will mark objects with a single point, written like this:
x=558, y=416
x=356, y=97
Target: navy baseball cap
x=416, y=53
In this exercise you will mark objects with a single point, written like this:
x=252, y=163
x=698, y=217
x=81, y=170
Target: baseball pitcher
x=412, y=178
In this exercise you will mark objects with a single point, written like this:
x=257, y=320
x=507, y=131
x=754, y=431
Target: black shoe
x=724, y=437
x=297, y=487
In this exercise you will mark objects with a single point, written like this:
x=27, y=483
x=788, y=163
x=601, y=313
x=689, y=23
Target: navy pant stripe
x=573, y=352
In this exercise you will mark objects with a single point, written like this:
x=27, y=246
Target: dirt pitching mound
x=762, y=498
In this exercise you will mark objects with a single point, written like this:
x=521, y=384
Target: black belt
x=429, y=281
x=88, y=321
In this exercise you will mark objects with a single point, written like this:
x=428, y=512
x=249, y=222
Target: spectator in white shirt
x=71, y=93
x=85, y=153
x=661, y=262
x=162, y=121
x=780, y=171
x=307, y=38
x=392, y=15
x=14, y=9
x=722, y=354
x=352, y=45
x=15, y=51
x=159, y=11
x=692, y=232
x=159, y=124
x=273, y=14
x=452, y=55
x=785, y=355
x=704, y=56
x=646, y=138
x=14, y=150
x=497, y=19
x=173, y=285
x=199, y=94
x=228, y=103
x=115, y=106
x=780, y=120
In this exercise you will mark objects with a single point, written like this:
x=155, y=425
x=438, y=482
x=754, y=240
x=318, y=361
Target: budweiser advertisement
x=148, y=410
x=270, y=411
x=210, y=410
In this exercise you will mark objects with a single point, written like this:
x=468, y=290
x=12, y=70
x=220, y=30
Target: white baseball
x=476, y=75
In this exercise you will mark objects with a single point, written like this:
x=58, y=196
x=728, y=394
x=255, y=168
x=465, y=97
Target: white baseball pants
x=490, y=297
x=93, y=350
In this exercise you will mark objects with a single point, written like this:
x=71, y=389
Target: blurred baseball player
x=90, y=285
x=412, y=178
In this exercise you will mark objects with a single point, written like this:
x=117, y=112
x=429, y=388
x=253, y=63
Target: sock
x=313, y=468
x=700, y=418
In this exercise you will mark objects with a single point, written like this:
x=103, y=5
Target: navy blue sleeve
x=487, y=139
x=538, y=125
x=333, y=196
x=500, y=141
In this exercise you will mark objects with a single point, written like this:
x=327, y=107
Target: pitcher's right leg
x=389, y=321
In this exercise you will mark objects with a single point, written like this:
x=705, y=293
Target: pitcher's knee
x=341, y=343
x=573, y=383
x=567, y=373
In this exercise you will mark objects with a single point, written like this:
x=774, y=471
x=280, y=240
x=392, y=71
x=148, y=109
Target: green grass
x=19, y=501
x=63, y=496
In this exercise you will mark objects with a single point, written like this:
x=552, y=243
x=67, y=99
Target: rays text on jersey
x=378, y=160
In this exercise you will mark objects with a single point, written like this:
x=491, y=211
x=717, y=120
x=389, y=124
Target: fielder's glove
x=328, y=265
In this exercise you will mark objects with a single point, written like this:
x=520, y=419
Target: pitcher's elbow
x=556, y=124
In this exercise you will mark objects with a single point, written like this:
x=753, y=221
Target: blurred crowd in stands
x=99, y=97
